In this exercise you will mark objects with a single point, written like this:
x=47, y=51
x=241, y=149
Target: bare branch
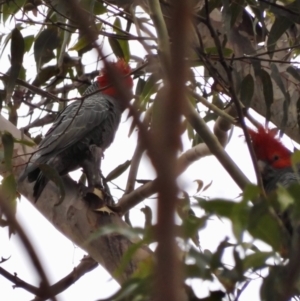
x=44, y=288
x=86, y=265
x=215, y=147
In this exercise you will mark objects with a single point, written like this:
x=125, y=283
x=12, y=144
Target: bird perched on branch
x=82, y=132
x=274, y=159
x=274, y=162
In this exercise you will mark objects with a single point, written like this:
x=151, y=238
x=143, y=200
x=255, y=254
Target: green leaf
x=295, y=72
x=265, y=226
x=216, y=259
x=202, y=261
x=150, y=87
x=140, y=86
x=190, y=132
x=17, y=49
x=148, y=215
x=240, y=217
x=53, y=176
x=273, y=285
x=9, y=8
x=8, y=144
x=28, y=41
x=238, y=268
x=22, y=74
x=290, y=10
x=296, y=160
x=192, y=225
x=256, y=261
x=286, y=105
x=251, y=192
x=123, y=42
x=9, y=190
x=127, y=257
x=268, y=91
x=227, y=52
x=285, y=199
x=280, y=25
x=220, y=207
x=277, y=78
x=247, y=90
x=291, y=196
x=44, y=75
x=116, y=47
x=24, y=142
x=99, y=8
x=82, y=42
x=9, y=187
x=236, y=8
x=46, y=42
x=118, y=171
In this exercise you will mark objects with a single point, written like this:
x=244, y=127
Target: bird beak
x=261, y=165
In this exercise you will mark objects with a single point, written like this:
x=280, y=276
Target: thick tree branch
x=215, y=147
x=75, y=219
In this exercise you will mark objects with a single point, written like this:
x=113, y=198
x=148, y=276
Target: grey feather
x=92, y=121
x=273, y=177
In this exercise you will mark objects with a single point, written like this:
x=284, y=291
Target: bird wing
x=74, y=123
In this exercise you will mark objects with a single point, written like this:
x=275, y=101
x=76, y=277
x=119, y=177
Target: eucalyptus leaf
x=247, y=90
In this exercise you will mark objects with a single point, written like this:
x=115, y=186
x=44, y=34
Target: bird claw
x=96, y=152
x=96, y=197
x=85, y=191
x=105, y=209
x=98, y=193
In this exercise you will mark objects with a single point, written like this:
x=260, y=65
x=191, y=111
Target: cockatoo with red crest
x=274, y=159
x=81, y=133
x=275, y=164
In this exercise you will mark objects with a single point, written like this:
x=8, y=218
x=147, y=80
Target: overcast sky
x=60, y=256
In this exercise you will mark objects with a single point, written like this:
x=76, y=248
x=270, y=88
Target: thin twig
x=162, y=33
x=214, y=108
x=86, y=265
x=44, y=288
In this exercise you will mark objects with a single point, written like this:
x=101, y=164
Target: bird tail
x=39, y=185
x=33, y=173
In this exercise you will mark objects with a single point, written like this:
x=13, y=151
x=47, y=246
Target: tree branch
x=74, y=218
x=215, y=147
x=15, y=226
x=86, y=265
x=222, y=126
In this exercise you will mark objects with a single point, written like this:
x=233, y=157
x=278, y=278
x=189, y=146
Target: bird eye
x=275, y=158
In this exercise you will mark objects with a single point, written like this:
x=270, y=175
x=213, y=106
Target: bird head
x=124, y=70
x=269, y=150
